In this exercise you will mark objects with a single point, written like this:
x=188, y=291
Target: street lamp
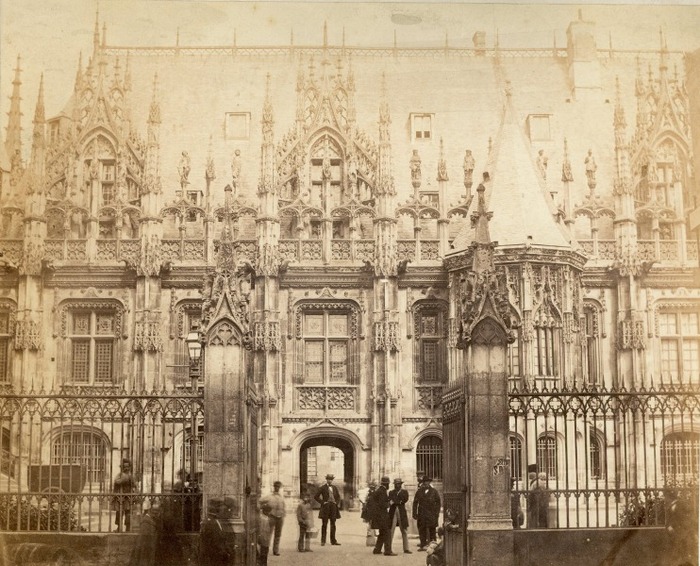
x=194, y=349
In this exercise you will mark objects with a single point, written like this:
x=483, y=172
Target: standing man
x=398, y=497
x=328, y=497
x=426, y=510
x=379, y=518
x=124, y=485
x=277, y=511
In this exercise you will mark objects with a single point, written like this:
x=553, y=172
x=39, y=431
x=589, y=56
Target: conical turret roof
x=515, y=194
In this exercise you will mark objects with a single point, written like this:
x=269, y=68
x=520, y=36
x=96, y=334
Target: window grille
x=680, y=454
x=430, y=351
x=429, y=457
x=84, y=448
x=547, y=455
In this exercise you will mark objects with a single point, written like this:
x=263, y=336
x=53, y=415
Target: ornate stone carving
x=630, y=335
x=32, y=257
x=386, y=336
x=147, y=337
x=415, y=169
x=113, y=305
x=267, y=336
x=350, y=306
x=468, y=167
x=28, y=335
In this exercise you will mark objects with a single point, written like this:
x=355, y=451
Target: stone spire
x=13, y=137
x=385, y=262
x=385, y=180
x=38, y=135
x=152, y=164
x=267, y=165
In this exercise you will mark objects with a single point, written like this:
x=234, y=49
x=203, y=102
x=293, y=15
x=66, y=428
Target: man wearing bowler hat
x=328, y=497
x=426, y=510
x=398, y=497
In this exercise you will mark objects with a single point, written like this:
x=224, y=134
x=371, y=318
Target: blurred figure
x=124, y=485
x=305, y=518
x=264, y=534
x=216, y=542
x=516, y=512
x=144, y=553
x=277, y=511
x=364, y=495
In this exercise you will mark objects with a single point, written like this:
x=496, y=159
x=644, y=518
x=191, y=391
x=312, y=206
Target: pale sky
x=50, y=34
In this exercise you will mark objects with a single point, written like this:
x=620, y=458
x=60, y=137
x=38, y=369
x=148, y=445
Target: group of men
x=385, y=510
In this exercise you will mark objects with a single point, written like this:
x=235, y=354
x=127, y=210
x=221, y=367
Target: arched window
x=680, y=453
x=516, y=458
x=83, y=447
x=429, y=456
x=547, y=455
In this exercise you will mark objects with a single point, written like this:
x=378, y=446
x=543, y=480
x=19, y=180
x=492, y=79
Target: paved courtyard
x=353, y=551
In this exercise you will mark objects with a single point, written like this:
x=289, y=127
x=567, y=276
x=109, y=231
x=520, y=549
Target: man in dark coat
x=379, y=517
x=329, y=498
x=398, y=497
x=216, y=541
x=124, y=486
x=426, y=511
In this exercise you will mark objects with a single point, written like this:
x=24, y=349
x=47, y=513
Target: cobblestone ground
x=351, y=533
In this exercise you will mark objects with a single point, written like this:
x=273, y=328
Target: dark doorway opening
x=327, y=455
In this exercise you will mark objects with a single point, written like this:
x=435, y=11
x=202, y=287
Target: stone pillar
x=224, y=420
x=489, y=526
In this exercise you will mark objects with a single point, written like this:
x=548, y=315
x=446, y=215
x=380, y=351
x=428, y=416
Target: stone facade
x=314, y=209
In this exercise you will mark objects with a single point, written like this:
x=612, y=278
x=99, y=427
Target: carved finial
x=442, y=164
x=490, y=148
x=210, y=172
x=96, y=33
x=509, y=90
x=154, y=113
x=291, y=38
x=177, y=38
x=325, y=34
x=104, y=34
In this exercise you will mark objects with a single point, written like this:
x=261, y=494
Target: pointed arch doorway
x=323, y=455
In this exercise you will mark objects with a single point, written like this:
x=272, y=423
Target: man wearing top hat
x=328, y=497
x=398, y=497
x=426, y=510
x=379, y=518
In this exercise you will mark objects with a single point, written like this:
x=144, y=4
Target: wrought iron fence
x=587, y=457
x=66, y=456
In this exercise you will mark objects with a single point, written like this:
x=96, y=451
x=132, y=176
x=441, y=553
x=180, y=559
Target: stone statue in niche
x=415, y=169
x=183, y=169
x=236, y=166
x=591, y=168
x=468, y=167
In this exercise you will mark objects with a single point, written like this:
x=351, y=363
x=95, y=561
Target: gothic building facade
x=325, y=209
